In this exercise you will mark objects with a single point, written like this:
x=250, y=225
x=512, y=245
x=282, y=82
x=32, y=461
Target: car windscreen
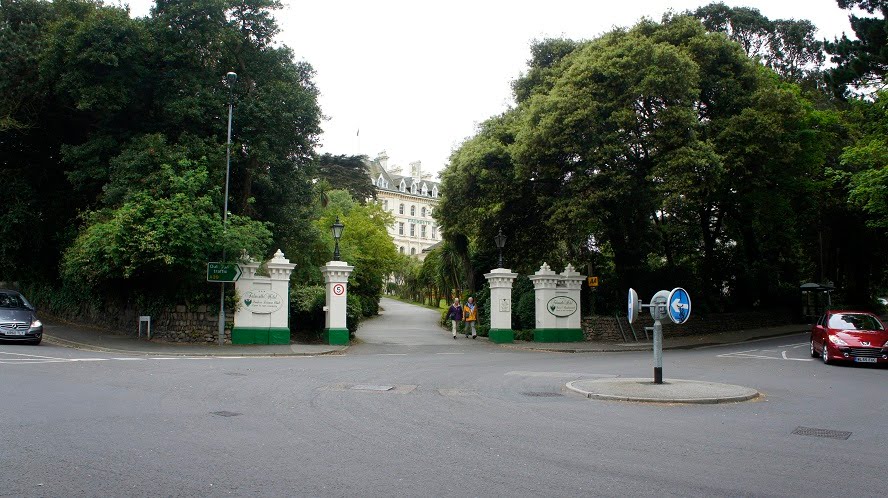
x=849, y=321
x=8, y=300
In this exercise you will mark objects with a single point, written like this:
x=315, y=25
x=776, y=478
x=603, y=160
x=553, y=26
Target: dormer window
x=413, y=188
x=435, y=191
x=403, y=186
x=380, y=182
x=425, y=189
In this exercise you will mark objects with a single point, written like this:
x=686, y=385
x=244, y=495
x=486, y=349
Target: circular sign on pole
x=634, y=306
x=657, y=306
x=679, y=305
x=339, y=289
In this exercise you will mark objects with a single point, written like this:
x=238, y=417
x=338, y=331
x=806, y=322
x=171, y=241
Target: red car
x=855, y=336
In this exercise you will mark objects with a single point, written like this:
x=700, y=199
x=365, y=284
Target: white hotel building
x=411, y=200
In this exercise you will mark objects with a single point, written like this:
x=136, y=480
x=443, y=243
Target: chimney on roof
x=382, y=158
x=416, y=169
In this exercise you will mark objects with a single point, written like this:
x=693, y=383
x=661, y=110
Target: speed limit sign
x=339, y=289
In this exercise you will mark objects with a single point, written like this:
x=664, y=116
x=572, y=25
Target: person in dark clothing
x=455, y=314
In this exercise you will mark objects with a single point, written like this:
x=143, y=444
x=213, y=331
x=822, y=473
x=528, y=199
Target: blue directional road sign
x=678, y=305
x=634, y=306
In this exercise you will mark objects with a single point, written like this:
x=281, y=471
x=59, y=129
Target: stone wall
x=182, y=324
x=605, y=328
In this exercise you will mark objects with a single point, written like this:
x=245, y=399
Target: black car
x=18, y=319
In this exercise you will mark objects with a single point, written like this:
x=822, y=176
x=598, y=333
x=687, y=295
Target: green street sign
x=223, y=272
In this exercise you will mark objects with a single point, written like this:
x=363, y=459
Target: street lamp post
x=231, y=79
x=337, y=233
x=500, y=240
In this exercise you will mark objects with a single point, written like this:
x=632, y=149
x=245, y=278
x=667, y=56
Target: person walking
x=455, y=314
x=470, y=316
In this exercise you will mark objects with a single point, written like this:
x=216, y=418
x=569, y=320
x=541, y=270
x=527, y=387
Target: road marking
x=31, y=355
x=449, y=353
x=796, y=359
x=747, y=354
x=89, y=359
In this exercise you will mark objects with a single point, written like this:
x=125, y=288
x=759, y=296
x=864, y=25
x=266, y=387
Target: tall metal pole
x=231, y=78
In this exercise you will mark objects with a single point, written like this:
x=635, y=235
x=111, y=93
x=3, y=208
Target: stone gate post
x=501, y=305
x=336, y=278
x=263, y=314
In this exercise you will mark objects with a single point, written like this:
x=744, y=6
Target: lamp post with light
x=230, y=79
x=336, y=274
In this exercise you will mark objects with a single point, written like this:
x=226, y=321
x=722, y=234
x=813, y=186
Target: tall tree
x=863, y=62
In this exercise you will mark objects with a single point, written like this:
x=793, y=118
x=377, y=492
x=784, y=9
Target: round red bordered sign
x=339, y=289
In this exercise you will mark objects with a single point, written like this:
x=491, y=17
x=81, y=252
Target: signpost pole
x=658, y=352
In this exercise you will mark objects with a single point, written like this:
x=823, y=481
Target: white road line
x=796, y=359
x=89, y=359
x=32, y=355
x=129, y=359
x=449, y=353
x=793, y=345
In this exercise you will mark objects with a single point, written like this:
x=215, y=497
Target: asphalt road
x=462, y=418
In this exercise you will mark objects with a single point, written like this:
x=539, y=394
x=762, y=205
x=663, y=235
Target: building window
x=412, y=210
x=412, y=230
x=434, y=233
x=385, y=205
x=401, y=249
x=403, y=186
x=425, y=189
x=422, y=231
x=413, y=189
x=413, y=251
x=401, y=228
x=435, y=192
x=423, y=212
x=401, y=209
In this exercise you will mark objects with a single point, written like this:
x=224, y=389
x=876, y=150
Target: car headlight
x=838, y=342
x=36, y=324
x=885, y=345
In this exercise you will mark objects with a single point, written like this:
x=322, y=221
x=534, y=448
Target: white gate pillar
x=336, y=279
x=263, y=314
x=501, y=305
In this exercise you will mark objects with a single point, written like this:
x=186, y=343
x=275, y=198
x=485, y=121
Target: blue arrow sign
x=634, y=306
x=678, y=305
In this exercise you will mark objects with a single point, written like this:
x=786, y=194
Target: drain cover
x=810, y=431
x=365, y=387
x=227, y=414
x=542, y=394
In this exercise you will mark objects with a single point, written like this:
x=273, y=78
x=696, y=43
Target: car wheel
x=813, y=351
x=36, y=342
x=824, y=353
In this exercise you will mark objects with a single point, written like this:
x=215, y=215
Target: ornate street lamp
x=337, y=233
x=500, y=243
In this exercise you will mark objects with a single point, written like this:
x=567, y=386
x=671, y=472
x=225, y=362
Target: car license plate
x=15, y=332
x=866, y=360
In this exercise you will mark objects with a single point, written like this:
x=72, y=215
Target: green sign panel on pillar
x=223, y=272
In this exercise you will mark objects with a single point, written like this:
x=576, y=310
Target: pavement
x=95, y=339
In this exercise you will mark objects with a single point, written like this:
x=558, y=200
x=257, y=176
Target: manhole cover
x=226, y=414
x=542, y=394
x=810, y=431
x=365, y=387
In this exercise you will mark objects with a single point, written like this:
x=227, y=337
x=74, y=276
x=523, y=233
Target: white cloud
x=416, y=77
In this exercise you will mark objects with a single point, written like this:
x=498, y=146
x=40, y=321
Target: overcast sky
x=416, y=77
